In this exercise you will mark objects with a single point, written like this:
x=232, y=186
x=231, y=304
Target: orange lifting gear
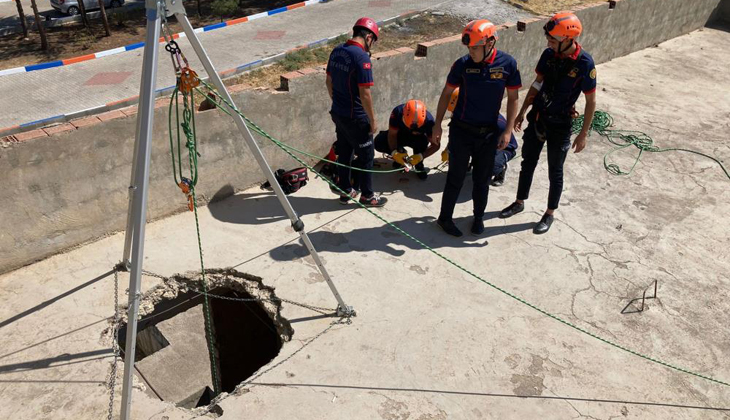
x=188, y=80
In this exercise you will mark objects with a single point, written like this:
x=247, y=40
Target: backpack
x=290, y=181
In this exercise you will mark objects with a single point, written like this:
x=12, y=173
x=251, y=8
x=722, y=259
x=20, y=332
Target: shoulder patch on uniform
x=367, y=66
x=593, y=73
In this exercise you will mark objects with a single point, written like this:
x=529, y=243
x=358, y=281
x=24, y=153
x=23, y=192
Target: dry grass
x=549, y=7
x=408, y=33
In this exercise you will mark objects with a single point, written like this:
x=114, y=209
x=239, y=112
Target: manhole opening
x=172, y=356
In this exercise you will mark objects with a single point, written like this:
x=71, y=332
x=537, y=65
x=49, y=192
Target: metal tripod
x=137, y=213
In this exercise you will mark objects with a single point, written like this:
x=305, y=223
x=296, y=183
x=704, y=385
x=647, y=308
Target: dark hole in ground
x=177, y=366
x=246, y=336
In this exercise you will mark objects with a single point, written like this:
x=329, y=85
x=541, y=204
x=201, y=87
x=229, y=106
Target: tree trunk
x=198, y=1
x=39, y=23
x=84, y=18
x=21, y=14
x=104, y=19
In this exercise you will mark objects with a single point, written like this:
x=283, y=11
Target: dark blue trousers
x=557, y=138
x=464, y=145
x=354, y=138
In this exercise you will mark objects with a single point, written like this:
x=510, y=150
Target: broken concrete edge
x=10, y=134
x=216, y=278
x=191, y=282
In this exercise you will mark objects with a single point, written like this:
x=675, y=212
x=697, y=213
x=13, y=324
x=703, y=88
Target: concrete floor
x=429, y=341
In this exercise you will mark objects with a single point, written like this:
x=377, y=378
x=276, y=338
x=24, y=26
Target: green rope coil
x=624, y=139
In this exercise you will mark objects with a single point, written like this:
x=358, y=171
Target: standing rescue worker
x=349, y=79
x=481, y=76
x=563, y=71
x=410, y=125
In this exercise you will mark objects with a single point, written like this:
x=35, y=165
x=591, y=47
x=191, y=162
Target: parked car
x=71, y=7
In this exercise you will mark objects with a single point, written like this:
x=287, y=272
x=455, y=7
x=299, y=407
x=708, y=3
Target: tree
x=107, y=30
x=41, y=27
x=224, y=7
x=21, y=14
x=84, y=18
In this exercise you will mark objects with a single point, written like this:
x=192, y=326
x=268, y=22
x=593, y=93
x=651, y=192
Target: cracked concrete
x=430, y=341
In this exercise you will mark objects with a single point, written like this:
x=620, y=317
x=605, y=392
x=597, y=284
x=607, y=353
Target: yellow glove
x=399, y=157
x=415, y=159
x=445, y=155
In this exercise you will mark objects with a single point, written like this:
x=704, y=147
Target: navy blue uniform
x=474, y=130
x=549, y=119
x=350, y=68
x=417, y=140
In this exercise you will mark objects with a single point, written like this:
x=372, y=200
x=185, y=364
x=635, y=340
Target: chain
x=319, y=309
x=343, y=321
x=115, y=346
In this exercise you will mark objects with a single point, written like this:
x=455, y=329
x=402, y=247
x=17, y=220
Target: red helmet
x=414, y=114
x=369, y=24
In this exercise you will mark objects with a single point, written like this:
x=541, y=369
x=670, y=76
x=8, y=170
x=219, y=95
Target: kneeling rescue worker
x=410, y=125
x=481, y=76
x=563, y=71
x=349, y=78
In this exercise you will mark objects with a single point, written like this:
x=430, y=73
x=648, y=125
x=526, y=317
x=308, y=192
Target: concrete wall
x=67, y=185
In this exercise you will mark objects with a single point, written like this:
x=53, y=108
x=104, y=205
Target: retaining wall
x=67, y=185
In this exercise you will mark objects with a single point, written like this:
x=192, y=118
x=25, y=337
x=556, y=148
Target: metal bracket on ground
x=643, y=299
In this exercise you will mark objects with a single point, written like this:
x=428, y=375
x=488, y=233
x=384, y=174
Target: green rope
x=188, y=128
x=455, y=264
x=258, y=130
x=624, y=139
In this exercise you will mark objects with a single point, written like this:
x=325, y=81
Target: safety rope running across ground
x=624, y=139
x=288, y=150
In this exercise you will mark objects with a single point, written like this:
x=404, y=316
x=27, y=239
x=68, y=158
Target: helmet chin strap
x=561, y=49
x=367, y=46
x=487, y=54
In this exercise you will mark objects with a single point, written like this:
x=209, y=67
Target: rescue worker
x=481, y=76
x=410, y=125
x=563, y=71
x=349, y=79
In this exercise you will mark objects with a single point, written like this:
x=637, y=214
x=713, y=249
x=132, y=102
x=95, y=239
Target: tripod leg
x=297, y=223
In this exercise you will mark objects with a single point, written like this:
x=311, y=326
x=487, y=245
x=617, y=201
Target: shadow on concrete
x=389, y=240
x=55, y=299
x=489, y=394
x=20, y=381
x=55, y=361
x=53, y=338
x=417, y=189
x=263, y=207
x=720, y=25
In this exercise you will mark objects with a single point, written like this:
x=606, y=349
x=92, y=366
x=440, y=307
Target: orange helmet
x=478, y=32
x=563, y=25
x=453, y=100
x=414, y=114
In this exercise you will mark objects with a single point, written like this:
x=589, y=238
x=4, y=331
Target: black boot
x=449, y=227
x=422, y=171
x=544, y=224
x=477, y=227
